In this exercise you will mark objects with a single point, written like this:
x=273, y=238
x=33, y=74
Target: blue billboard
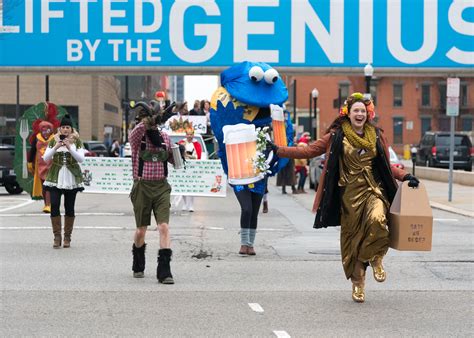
x=326, y=34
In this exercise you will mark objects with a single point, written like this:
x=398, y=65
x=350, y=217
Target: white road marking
x=77, y=214
x=213, y=228
x=75, y=227
x=18, y=205
x=271, y=229
x=281, y=334
x=256, y=307
x=445, y=220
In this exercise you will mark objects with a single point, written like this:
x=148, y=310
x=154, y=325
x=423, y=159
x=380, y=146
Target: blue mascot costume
x=248, y=89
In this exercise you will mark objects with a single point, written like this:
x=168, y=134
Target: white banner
x=114, y=175
x=179, y=125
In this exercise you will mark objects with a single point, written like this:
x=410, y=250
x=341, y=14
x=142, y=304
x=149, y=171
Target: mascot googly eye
x=271, y=76
x=256, y=73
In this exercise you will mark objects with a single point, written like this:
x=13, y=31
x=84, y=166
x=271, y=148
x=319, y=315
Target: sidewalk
x=462, y=198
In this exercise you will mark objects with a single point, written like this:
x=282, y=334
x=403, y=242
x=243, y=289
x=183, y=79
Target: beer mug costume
x=248, y=89
x=241, y=150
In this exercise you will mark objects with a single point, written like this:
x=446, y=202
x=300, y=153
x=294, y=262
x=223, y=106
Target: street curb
x=458, y=211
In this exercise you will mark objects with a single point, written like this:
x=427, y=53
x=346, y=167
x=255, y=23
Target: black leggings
x=250, y=205
x=69, y=201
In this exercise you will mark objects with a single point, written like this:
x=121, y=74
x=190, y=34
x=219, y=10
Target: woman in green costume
x=356, y=188
x=64, y=178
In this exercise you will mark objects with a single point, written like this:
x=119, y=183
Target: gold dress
x=364, y=231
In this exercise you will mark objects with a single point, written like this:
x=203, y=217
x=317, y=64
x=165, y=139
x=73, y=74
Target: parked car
x=394, y=160
x=7, y=174
x=433, y=150
x=96, y=148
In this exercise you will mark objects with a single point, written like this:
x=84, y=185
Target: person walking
x=193, y=151
x=286, y=176
x=65, y=151
x=151, y=150
x=37, y=166
x=357, y=186
x=302, y=164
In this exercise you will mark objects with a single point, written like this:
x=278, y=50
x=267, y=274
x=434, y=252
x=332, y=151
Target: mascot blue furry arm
x=245, y=96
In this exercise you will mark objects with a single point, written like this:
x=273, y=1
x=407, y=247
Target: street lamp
x=368, y=72
x=314, y=95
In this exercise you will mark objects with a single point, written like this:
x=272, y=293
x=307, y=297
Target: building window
x=442, y=95
x=397, y=95
x=425, y=125
x=373, y=93
x=111, y=108
x=463, y=95
x=425, y=95
x=398, y=130
x=444, y=123
x=466, y=123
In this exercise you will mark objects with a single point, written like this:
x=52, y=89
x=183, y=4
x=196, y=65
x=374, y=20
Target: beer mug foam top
x=241, y=150
x=278, y=124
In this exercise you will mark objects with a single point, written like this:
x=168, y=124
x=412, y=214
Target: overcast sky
x=199, y=87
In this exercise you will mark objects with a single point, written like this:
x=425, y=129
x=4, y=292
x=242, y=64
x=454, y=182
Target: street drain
x=201, y=255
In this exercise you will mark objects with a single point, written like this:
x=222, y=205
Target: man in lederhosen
x=151, y=150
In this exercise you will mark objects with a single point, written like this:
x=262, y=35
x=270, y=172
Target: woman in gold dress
x=356, y=188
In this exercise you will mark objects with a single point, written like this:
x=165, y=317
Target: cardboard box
x=411, y=219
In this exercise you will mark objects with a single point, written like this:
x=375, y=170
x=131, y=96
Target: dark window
x=445, y=140
x=466, y=124
x=397, y=95
x=442, y=96
x=373, y=93
x=344, y=91
x=425, y=95
x=111, y=108
x=443, y=124
x=463, y=96
x=398, y=130
x=425, y=125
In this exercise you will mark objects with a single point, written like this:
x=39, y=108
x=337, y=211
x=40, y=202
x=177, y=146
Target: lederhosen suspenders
x=141, y=163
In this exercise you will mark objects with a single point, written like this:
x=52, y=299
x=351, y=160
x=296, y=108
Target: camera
x=62, y=137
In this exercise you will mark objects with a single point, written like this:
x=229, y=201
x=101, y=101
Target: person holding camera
x=65, y=151
x=151, y=150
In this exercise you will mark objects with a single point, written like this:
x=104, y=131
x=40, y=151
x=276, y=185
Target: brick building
x=406, y=107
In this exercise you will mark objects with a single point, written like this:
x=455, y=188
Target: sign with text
x=179, y=124
x=81, y=34
x=114, y=175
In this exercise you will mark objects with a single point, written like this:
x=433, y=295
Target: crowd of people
x=356, y=188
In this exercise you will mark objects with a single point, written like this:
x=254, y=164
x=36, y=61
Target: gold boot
x=379, y=273
x=358, y=282
x=56, y=224
x=68, y=225
x=358, y=294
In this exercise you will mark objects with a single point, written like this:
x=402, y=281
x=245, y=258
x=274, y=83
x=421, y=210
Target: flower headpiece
x=358, y=97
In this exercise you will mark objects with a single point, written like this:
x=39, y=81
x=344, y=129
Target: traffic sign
x=453, y=87
x=452, y=106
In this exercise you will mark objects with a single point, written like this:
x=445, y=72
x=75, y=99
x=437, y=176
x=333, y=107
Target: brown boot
x=265, y=207
x=56, y=224
x=358, y=282
x=243, y=250
x=68, y=225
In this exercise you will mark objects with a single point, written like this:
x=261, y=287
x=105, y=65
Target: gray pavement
x=296, y=277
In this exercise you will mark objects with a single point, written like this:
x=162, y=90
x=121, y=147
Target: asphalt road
x=295, y=286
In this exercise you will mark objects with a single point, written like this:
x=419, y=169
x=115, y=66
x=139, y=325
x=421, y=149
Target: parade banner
x=114, y=176
x=179, y=124
x=83, y=35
